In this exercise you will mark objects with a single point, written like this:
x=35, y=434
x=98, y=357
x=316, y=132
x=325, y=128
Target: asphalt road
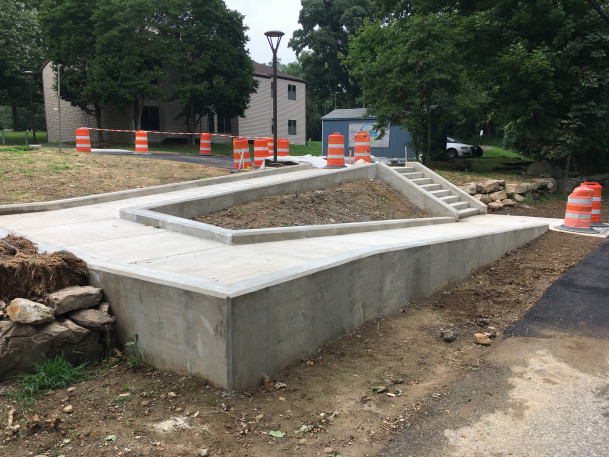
x=542, y=391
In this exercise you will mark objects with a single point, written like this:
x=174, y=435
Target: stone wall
x=498, y=193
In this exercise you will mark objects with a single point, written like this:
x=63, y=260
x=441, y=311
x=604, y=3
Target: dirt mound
x=26, y=273
x=358, y=201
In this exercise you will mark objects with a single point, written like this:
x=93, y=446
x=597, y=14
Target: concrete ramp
x=235, y=312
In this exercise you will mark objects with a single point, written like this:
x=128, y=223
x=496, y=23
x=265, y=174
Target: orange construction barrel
x=283, y=147
x=579, y=208
x=241, y=154
x=336, y=151
x=205, y=144
x=271, y=146
x=596, y=201
x=83, y=140
x=141, y=142
x=261, y=151
x=362, y=146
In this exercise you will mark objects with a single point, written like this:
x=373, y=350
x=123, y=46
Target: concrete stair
x=440, y=188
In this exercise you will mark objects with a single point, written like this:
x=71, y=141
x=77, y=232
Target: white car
x=455, y=148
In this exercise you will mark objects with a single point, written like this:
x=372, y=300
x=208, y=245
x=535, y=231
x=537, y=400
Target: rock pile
x=497, y=193
x=71, y=320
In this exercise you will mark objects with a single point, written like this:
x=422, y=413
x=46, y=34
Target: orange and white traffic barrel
x=336, y=151
x=283, y=147
x=596, y=201
x=271, y=145
x=241, y=154
x=362, y=146
x=579, y=208
x=141, y=142
x=261, y=151
x=83, y=140
x=205, y=144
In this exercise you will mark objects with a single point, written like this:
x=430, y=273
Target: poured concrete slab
x=233, y=313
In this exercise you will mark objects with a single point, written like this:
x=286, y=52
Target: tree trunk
x=566, y=175
x=190, y=122
x=15, y=117
x=100, y=134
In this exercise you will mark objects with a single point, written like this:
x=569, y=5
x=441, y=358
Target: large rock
x=518, y=198
x=93, y=319
x=74, y=298
x=518, y=187
x=539, y=169
x=484, y=198
x=471, y=188
x=21, y=346
x=24, y=311
x=488, y=187
x=498, y=196
x=495, y=206
x=508, y=202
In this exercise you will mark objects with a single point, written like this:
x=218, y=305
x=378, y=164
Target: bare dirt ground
x=44, y=174
x=349, y=398
x=358, y=201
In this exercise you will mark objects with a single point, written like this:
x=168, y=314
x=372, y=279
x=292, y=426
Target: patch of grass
x=59, y=167
x=11, y=137
x=499, y=152
x=134, y=357
x=52, y=373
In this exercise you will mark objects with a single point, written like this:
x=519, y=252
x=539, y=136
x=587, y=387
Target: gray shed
x=349, y=121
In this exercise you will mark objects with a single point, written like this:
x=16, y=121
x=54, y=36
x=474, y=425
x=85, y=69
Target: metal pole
x=275, y=104
x=33, y=125
x=59, y=102
x=270, y=35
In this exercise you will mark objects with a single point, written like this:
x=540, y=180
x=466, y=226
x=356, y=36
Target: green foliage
x=52, y=373
x=132, y=350
x=326, y=26
x=207, y=42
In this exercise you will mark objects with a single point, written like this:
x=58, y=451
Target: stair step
x=422, y=181
x=460, y=205
x=413, y=175
x=440, y=193
x=405, y=170
x=450, y=199
x=468, y=212
x=430, y=187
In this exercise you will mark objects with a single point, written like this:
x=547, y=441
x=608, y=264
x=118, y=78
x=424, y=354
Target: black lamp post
x=29, y=80
x=274, y=46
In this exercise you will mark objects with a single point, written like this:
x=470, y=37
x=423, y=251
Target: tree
x=326, y=26
x=408, y=73
x=20, y=50
x=213, y=72
x=67, y=27
x=129, y=55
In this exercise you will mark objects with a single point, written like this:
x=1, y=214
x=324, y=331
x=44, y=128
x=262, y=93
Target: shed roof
x=354, y=113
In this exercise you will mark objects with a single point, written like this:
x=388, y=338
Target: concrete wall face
x=178, y=329
x=274, y=325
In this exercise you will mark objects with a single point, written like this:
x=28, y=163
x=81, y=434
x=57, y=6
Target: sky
x=264, y=15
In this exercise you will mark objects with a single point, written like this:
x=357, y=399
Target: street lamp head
x=274, y=34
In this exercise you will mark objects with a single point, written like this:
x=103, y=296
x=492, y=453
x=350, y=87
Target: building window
x=224, y=124
x=210, y=123
x=291, y=91
x=150, y=118
x=291, y=127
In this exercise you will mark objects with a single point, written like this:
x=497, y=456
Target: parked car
x=456, y=148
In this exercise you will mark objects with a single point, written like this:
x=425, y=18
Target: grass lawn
x=11, y=137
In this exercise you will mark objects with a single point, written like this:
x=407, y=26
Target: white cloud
x=264, y=15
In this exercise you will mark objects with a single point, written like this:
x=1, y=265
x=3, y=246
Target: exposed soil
x=357, y=201
x=25, y=273
x=550, y=208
